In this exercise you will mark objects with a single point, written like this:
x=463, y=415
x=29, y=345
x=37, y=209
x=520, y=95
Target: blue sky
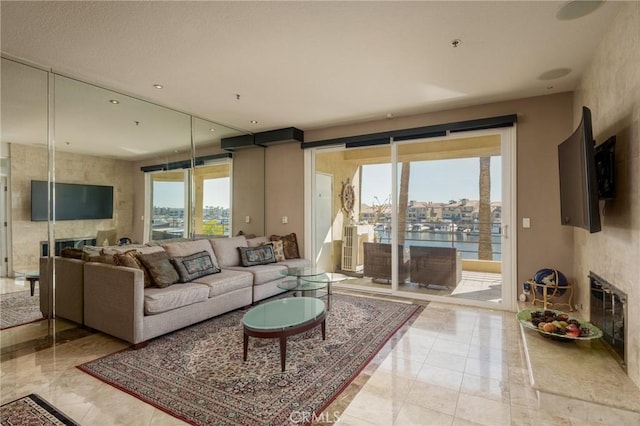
x=435, y=181
x=171, y=194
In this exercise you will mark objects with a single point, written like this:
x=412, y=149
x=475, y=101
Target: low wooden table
x=282, y=318
x=32, y=277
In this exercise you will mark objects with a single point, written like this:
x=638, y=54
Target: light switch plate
x=526, y=222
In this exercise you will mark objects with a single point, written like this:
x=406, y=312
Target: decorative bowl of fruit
x=558, y=325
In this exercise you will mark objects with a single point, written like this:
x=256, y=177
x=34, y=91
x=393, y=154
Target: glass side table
x=302, y=272
x=325, y=280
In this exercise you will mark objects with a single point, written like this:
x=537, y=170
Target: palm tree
x=485, y=248
x=403, y=201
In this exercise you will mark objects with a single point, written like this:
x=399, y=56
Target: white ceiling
x=307, y=64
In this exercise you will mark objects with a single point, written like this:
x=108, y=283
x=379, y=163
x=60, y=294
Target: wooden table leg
x=32, y=284
x=283, y=351
x=245, y=346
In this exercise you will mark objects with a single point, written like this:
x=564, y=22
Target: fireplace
x=609, y=313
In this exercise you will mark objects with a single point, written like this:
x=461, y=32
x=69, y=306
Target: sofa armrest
x=114, y=300
x=69, y=275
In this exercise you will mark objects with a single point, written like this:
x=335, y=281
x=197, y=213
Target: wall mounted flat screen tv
x=578, y=178
x=72, y=201
x=606, y=168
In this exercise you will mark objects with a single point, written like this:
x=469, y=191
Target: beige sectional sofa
x=116, y=301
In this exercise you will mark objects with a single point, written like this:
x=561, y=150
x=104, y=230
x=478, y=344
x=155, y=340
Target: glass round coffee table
x=282, y=318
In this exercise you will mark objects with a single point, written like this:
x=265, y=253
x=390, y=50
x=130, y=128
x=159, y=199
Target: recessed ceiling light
x=577, y=9
x=158, y=86
x=254, y=122
x=212, y=129
x=554, y=73
x=114, y=101
x=389, y=115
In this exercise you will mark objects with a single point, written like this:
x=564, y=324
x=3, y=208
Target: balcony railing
x=464, y=237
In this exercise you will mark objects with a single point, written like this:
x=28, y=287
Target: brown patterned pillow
x=71, y=252
x=278, y=249
x=290, y=245
x=162, y=272
x=130, y=260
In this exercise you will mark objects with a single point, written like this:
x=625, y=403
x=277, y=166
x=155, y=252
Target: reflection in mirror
x=100, y=135
x=214, y=182
x=24, y=157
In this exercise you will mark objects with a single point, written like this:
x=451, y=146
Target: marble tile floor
x=453, y=366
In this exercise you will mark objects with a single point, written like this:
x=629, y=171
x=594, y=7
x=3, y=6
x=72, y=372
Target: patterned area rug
x=19, y=308
x=32, y=410
x=197, y=374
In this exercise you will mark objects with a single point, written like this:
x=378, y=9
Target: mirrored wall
x=166, y=171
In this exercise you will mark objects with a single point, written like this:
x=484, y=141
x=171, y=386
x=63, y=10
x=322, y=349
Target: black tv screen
x=578, y=178
x=72, y=201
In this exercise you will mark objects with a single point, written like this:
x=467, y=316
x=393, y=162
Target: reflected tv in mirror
x=72, y=201
x=578, y=178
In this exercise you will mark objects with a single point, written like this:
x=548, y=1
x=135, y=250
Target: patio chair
x=377, y=262
x=435, y=265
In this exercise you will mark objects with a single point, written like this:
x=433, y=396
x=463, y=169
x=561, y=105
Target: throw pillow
x=290, y=245
x=130, y=260
x=278, y=249
x=194, y=266
x=250, y=256
x=162, y=272
x=71, y=252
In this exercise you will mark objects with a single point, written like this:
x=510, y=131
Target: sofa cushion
x=263, y=273
x=226, y=250
x=187, y=248
x=251, y=256
x=194, y=266
x=226, y=281
x=257, y=241
x=149, y=249
x=278, y=249
x=290, y=245
x=158, y=300
x=111, y=250
x=153, y=243
x=162, y=272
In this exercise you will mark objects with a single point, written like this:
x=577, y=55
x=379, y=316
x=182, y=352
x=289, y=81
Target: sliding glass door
x=449, y=205
x=430, y=218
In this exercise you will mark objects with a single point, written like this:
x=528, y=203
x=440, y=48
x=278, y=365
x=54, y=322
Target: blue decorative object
x=552, y=279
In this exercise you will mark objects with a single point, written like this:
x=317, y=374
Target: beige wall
x=543, y=122
x=30, y=163
x=248, y=191
x=611, y=89
x=284, y=191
